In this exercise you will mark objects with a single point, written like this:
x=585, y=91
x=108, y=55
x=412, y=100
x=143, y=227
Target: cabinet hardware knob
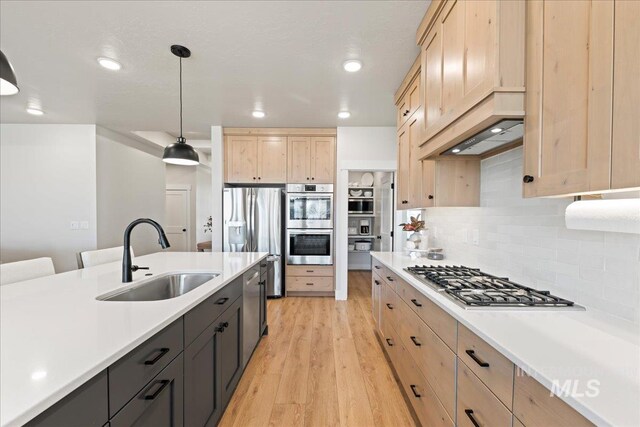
x=472, y=354
x=259, y=177
x=163, y=384
x=153, y=361
x=389, y=343
x=415, y=341
x=527, y=179
x=430, y=197
x=389, y=306
x=221, y=301
x=307, y=178
x=413, y=389
x=254, y=177
x=377, y=282
x=416, y=303
x=389, y=278
x=313, y=178
x=377, y=267
x=469, y=413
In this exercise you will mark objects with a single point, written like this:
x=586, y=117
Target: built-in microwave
x=310, y=246
x=360, y=205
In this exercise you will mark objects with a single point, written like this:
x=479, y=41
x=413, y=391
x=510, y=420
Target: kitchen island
x=55, y=335
x=521, y=362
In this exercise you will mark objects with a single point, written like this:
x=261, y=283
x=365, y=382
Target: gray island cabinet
x=184, y=375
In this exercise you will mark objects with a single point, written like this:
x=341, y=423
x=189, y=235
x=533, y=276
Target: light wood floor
x=320, y=365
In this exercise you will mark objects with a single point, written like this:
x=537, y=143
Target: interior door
x=177, y=220
x=385, y=205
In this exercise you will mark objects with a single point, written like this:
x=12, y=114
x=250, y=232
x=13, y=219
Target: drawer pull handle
x=221, y=301
x=469, y=413
x=389, y=342
x=309, y=284
x=413, y=389
x=415, y=341
x=389, y=278
x=310, y=271
x=163, y=384
x=153, y=361
x=416, y=303
x=377, y=267
x=377, y=282
x=389, y=306
x=482, y=363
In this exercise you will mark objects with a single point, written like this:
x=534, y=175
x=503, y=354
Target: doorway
x=370, y=216
x=178, y=218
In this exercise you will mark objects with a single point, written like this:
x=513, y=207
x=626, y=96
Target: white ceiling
x=285, y=57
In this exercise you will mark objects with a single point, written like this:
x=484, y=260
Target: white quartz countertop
x=55, y=335
x=583, y=347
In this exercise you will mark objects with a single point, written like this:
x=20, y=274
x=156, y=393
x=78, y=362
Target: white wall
x=48, y=180
x=527, y=241
x=203, y=202
x=358, y=148
x=130, y=185
x=217, y=184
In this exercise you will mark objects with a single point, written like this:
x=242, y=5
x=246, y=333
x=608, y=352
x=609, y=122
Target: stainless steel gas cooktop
x=472, y=289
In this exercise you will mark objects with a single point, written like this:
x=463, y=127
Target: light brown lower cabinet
x=477, y=405
x=449, y=374
x=311, y=280
x=535, y=406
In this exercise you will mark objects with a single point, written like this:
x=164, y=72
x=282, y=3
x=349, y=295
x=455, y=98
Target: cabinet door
x=299, y=158
x=452, y=32
x=415, y=165
x=376, y=291
x=229, y=351
x=479, y=42
x=202, y=400
x=625, y=167
x=272, y=159
x=428, y=170
x=431, y=75
x=404, y=156
x=159, y=404
x=568, y=103
x=242, y=159
x=323, y=159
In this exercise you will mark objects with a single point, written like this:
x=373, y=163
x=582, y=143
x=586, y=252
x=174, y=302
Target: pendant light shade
x=180, y=153
x=8, y=81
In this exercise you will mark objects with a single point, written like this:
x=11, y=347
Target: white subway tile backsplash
x=526, y=240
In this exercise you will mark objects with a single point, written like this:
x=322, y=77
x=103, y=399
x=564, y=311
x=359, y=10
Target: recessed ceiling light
x=258, y=114
x=352, y=65
x=344, y=114
x=455, y=150
x=496, y=130
x=38, y=375
x=35, y=111
x=109, y=64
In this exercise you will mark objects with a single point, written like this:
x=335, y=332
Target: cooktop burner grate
x=474, y=288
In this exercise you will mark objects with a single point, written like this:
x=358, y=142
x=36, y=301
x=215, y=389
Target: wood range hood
x=472, y=76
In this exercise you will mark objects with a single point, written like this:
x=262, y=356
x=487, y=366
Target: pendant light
x=180, y=153
x=8, y=81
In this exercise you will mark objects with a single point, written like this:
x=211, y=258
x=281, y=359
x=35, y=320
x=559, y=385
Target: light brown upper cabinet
x=581, y=128
x=255, y=159
x=472, y=69
x=311, y=159
x=625, y=166
x=410, y=102
x=428, y=183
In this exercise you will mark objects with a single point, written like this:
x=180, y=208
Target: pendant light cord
x=180, y=97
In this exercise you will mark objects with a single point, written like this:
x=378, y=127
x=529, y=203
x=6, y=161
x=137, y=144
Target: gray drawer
x=159, y=403
x=197, y=319
x=132, y=372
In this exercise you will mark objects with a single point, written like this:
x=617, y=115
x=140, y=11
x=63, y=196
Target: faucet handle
x=136, y=268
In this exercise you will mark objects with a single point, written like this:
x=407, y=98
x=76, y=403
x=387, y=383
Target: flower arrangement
x=414, y=225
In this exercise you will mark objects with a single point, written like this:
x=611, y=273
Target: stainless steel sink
x=162, y=287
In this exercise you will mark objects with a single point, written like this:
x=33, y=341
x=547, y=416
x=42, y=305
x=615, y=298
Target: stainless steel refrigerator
x=253, y=222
